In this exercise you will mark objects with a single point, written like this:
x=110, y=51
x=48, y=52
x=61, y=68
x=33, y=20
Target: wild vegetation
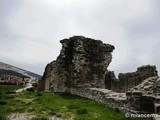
x=6, y=89
x=47, y=104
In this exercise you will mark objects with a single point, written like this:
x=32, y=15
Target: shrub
x=117, y=110
x=30, y=89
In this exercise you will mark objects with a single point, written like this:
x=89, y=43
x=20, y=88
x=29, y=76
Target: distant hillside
x=4, y=66
x=13, y=73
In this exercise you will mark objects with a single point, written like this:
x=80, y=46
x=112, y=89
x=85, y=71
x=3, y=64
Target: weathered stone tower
x=82, y=62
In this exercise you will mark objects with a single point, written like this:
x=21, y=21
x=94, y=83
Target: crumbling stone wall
x=105, y=96
x=82, y=62
x=126, y=81
x=140, y=103
x=81, y=69
x=111, y=82
x=145, y=97
x=40, y=85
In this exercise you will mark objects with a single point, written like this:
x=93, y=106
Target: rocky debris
x=82, y=62
x=149, y=87
x=20, y=116
x=29, y=116
x=111, y=94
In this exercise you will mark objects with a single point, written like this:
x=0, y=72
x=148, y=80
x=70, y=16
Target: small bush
x=30, y=89
x=117, y=110
x=82, y=111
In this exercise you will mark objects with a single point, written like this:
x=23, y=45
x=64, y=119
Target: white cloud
x=39, y=25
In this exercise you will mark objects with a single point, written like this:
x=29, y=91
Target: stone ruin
x=82, y=62
x=81, y=69
x=126, y=81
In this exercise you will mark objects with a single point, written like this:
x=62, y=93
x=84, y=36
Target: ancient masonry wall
x=82, y=62
x=81, y=69
x=126, y=81
x=145, y=97
x=105, y=96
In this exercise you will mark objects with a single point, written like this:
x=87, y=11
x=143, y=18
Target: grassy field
x=4, y=89
x=48, y=104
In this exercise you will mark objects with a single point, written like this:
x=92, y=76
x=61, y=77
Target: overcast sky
x=30, y=30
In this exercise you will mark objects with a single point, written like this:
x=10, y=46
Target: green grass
x=8, y=88
x=48, y=104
